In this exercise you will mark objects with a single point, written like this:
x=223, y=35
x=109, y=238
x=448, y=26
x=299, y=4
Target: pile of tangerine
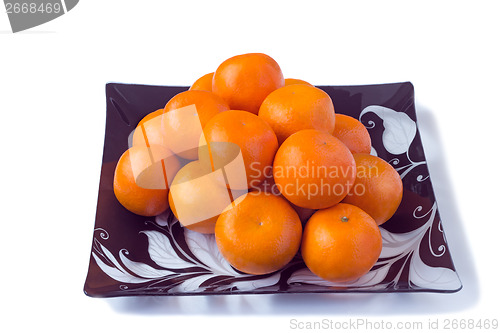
x=310, y=182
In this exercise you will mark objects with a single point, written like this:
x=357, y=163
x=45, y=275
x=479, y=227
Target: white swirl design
x=193, y=274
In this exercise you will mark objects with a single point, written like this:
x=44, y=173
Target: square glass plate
x=135, y=255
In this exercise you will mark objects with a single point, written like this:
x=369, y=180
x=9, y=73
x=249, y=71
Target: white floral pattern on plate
x=204, y=258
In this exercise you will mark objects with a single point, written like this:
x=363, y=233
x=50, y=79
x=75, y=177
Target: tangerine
x=378, y=188
x=150, y=116
x=352, y=133
x=341, y=243
x=179, y=127
x=245, y=80
x=140, y=184
x=198, y=196
x=289, y=82
x=203, y=83
x=297, y=107
x=313, y=169
x=254, y=137
x=269, y=187
x=258, y=233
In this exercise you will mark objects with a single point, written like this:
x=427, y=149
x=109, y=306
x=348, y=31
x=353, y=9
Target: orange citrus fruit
x=203, y=83
x=269, y=187
x=150, y=116
x=378, y=188
x=255, y=138
x=289, y=82
x=313, y=169
x=341, y=243
x=198, y=196
x=140, y=184
x=258, y=234
x=207, y=103
x=244, y=81
x=297, y=107
x=178, y=127
x=352, y=133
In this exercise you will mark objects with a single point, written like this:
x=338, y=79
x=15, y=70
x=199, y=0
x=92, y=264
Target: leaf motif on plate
x=204, y=247
x=142, y=269
x=370, y=279
x=255, y=283
x=399, y=128
x=161, y=251
x=215, y=274
x=425, y=276
x=115, y=270
x=191, y=284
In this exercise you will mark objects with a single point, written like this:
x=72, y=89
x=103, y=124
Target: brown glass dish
x=133, y=255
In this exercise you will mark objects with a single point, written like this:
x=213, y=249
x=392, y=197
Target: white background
x=52, y=108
